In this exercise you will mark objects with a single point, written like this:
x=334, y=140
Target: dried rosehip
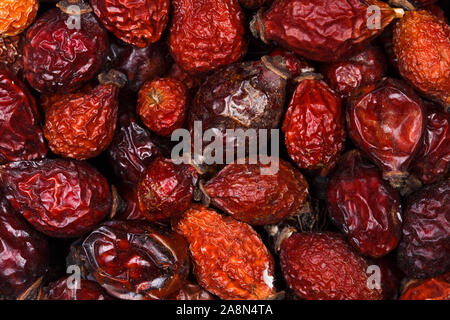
x=11, y=54
x=313, y=126
x=16, y=16
x=424, y=250
x=364, y=68
x=254, y=4
x=230, y=259
x=88, y=290
x=61, y=198
x=131, y=150
x=364, y=206
x=428, y=289
x=136, y=260
x=432, y=162
x=387, y=122
x=21, y=136
x=81, y=125
x=60, y=57
x=191, y=291
x=24, y=253
x=129, y=209
x=254, y=194
x=166, y=189
x=325, y=30
x=422, y=47
x=162, y=105
x=138, y=22
x=322, y=266
x=207, y=34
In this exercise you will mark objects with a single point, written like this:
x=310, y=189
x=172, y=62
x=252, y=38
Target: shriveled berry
x=61, y=198
x=24, y=253
x=313, y=126
x=166, y=189
x=88, y=290
x=59, y=57
x=424, y=250
x=136, y=260
x=230, y=260
x=129, y=208
x=364, y=206
x=387, y=121
x=437, y=288
x=323, y=266
x=192, y=291
x=16, y=16
x=138, y=22
x=253, y=194
x=206, y=34
x=422, y=47
x=21, y=136
x=162, y=105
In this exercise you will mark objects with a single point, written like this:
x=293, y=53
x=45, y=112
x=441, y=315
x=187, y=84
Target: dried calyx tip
x=308, y=75
x=115, y=201
x=397, y=179
x=74, y=7
x=277, y=65
x=113, y=77
x=405, y=4
x=257, y=27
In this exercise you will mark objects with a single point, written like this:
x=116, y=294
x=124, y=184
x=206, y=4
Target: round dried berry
x=424, y=250
x=322, y=266
x=16, y=16
x=65, y=289
x=428, y=289
x=230, y=259
x=162, y=105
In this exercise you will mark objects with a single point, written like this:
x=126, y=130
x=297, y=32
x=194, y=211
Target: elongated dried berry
x=61, y=198
x=422, y=46
x=253, y=194
x=364, y=206
x=136, y=260
x=313, y=126
x=206, y=34
x=21, y=137
x=324, y=31
x=424, y=250
x=60, y=57
x=437, y=288
x=16, y=16
x=229, y=257
x=323, y=266
x=24, y=253
x=387, y=122
x=65, y=289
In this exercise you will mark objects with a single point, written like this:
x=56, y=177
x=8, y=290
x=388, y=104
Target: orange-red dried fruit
x=206, y=34
x=249, y=194
x=162, y=105
x=16, y=16
x=422, y=47
x=322, y=266
x=428, y=289
x=81, y=125
x=138, y=22
x=230, y=259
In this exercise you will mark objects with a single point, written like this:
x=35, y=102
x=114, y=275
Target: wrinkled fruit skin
x=387, y=123
x=363, y=69
x=21, y=136
x=325, y=30
x=428, y=289
x=166, y=189
x=60, y=60
x=138, y=22
x=24, y=253
x=191, y=291
x=135, y=260
x=322, y=266
x=81, y=125
x=254, y=4
x=16, y=16
x=364, y=206
x=129, y=207
x=11, y=54
x=249, y=194
x=432, y=162
x=241, y=96
x=61, y=198
x=313, y=126
x=424, y=250
x=207, y=34
x=230, y=260
x=422, y=47
x=89, y=290
x=162, y=105
x=131, y=150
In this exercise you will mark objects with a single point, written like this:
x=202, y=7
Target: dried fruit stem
x=113, y=77
x=402, y=3
x=33, y=292
x=257, y=27
x=397, y=179
x=67, y=6
x=277, y=65
x=308, y=75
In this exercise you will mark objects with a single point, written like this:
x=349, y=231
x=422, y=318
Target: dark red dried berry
x=192, y=291
x=88, y=290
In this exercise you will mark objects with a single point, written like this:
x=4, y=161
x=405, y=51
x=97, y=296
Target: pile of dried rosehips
x=355, y=93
